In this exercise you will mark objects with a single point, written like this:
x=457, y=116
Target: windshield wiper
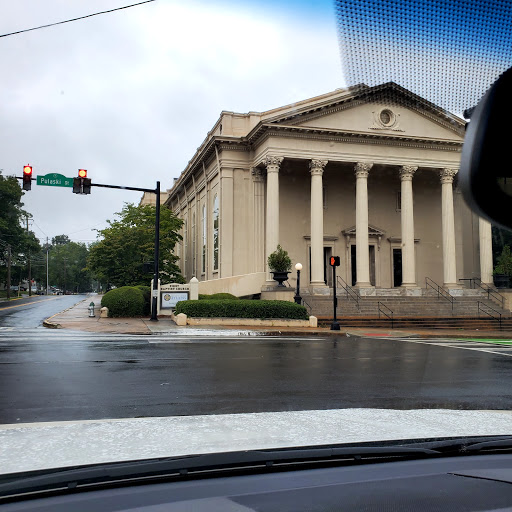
x=142, y=471
x=74, y=478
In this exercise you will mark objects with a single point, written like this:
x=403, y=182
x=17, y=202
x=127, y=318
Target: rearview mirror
x=485, y=175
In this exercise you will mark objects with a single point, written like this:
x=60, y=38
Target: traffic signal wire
x=75, y=19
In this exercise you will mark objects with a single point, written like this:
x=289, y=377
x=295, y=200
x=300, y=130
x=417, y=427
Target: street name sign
x=54, y=180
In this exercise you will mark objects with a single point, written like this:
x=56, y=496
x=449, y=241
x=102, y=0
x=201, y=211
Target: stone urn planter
x=280, y=277
x=279, y=264
x=501, y=281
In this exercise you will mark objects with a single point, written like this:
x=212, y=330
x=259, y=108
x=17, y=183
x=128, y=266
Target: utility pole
x=8, y=272
x=29, y=270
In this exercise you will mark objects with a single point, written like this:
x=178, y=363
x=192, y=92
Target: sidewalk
x=77, y=318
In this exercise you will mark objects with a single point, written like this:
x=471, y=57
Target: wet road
x=31, y=311
x=50, y=375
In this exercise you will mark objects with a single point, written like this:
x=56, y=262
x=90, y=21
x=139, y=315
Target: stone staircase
x=470, y=311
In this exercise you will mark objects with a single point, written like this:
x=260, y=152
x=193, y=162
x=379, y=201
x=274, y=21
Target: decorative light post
x=298, y=298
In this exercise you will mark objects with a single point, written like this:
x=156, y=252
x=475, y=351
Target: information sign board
x=170, y=299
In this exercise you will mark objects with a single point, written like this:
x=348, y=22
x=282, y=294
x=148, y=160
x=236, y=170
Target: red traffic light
x=27, y=177
x=27, y=170
x=82, y=173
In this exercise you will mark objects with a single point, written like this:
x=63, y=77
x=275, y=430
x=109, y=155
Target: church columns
x=317, y=224
x=362, y=250
x=272, y=163
x=485, y=236
x=407, y=222
x=448, y=222
x=259, y=219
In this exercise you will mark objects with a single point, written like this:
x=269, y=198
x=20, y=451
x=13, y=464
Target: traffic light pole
x=154, y=292
x=335, y=326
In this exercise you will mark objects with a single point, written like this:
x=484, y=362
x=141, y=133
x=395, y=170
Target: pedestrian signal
x=335, y=261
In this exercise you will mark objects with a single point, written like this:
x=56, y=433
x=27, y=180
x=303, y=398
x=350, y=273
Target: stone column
x=485, y=236
x=362, y=250
x=259, y=219
x=317, y=226
x=448, y=221
x=272, y=163
x=407, y=221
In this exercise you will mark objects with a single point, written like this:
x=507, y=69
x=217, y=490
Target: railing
x=441, y=292
x=388, y=314
x=351, y=293
x=482, y=305
x=490, y=292
x=305, y=304
x=476, y=282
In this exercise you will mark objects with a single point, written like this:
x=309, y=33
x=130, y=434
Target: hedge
x=242, y=308
x=126, y=301
x=217, y=296
x=146, y=292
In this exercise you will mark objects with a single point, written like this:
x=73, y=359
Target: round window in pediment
x=386, y=117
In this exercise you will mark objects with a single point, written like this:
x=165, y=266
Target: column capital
x=446, y=175
x=257, y=174
x=361, y=169
x=272, y=163
x=316, y=167
x=407, y=172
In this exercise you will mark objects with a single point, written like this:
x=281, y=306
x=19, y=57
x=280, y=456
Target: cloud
x=131, y=95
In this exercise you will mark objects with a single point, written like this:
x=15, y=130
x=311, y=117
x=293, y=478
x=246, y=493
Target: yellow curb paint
x=33, y=302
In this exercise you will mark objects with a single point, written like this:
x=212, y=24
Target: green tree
x=13, y=233
x=67, y=265
x=128, y=243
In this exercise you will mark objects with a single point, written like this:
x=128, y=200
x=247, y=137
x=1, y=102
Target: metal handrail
x=441, y=292
x=306, y=304
x=379, y=304
x=487, y=312
x=490, y=292
x=351, y=293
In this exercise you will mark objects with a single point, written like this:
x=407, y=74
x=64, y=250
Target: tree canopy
x=13, y=232
x=128, y=243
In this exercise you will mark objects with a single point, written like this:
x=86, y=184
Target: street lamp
x=298, y=298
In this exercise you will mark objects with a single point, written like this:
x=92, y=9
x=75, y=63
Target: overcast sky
x=131, y=94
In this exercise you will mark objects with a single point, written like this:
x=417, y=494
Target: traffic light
x=335, y=261
x=27, y=177
x=82, y=184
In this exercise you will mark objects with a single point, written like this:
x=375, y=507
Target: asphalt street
x=31, y=311
x=53, y=375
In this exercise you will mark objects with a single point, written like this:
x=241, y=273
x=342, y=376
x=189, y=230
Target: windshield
x=237, y=226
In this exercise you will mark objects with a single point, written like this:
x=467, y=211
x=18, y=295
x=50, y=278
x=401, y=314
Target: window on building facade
x=398, y=206
x=216, y=232
x=185, y=247
x=203, y=262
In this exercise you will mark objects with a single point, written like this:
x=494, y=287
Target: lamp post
x=298, y=298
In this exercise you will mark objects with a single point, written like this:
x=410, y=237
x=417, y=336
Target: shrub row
x=242, y=308
x=127, y=301
x=217, y=296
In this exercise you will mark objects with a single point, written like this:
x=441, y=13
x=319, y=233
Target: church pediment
x=372, y=231
x=392, y=111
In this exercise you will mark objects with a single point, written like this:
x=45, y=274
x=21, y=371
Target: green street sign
x=55, y=180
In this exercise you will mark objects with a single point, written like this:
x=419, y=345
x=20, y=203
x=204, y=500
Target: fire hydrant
x=91, y=309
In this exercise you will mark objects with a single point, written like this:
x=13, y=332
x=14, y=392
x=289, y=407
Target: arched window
x=216, y=232
x=203, y=262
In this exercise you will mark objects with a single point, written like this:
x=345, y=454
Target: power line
x=76, y=19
